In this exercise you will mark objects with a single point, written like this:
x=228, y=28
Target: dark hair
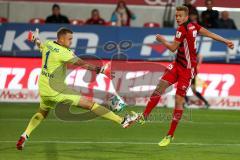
x=95, y=10
x=182, y=8
x=125, y=6
x=194, y=12
x=62, y=31
x=208, y=1
x=55, y=6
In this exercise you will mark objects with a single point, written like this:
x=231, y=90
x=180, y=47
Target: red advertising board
x=19, y=79
x=198, y=3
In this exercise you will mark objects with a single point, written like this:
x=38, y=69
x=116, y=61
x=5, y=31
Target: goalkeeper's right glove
x=33, y=36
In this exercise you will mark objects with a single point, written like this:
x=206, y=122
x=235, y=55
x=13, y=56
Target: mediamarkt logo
x=19, y=95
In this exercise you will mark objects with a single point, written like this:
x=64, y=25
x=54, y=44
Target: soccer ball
x=116, y=103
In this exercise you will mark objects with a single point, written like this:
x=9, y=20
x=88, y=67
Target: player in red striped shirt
x=183, y=70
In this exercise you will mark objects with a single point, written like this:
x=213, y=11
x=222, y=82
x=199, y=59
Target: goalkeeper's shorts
x=67, y=97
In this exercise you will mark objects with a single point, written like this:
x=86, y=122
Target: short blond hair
x=182, y=8
x=63, y=31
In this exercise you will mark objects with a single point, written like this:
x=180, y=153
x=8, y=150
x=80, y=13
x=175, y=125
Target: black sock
x=186, y=99
x=201, y=97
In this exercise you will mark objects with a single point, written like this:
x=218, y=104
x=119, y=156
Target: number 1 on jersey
x=46, y=60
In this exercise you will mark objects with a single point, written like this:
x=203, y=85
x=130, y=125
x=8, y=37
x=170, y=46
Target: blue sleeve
x=114, y=17
x=133, y=16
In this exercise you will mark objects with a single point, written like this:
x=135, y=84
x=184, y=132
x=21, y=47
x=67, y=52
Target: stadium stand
x=37, y=21
x=151, y=24
x=77, y=22
x=3, y=20
x=110, y=23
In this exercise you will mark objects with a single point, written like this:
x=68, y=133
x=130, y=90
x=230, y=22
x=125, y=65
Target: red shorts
x=175, y=72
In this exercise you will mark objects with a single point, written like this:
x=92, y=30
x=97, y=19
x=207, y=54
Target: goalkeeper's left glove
x=33, y=36
x=106, y=69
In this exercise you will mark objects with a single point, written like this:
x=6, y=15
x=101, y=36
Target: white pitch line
x=133, y=143
x=153, y=121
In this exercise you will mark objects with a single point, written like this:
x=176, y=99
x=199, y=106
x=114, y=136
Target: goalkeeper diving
x=55, y=56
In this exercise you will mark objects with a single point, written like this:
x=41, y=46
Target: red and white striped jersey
x=186, y=54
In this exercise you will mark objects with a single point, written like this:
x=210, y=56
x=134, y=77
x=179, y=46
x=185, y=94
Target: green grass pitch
x=201, y=135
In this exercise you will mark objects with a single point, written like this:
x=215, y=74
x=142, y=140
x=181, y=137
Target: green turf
x=202, y=135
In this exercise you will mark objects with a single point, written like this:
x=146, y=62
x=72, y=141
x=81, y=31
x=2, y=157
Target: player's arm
x=34, y=37
x=171, y=46
x=70, y=57
x=105, y=69
x=216, y=37
x=87, y=66
x=38, y=43
x=200, y=59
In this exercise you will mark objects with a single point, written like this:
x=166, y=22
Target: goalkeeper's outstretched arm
x=87, y=66
x=105, y=69
x=38, y=43
x=34, y=37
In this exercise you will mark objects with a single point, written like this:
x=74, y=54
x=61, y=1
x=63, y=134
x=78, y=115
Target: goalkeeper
x=55, y=56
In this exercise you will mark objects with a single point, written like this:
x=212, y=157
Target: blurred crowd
x=122, y=16
x=210, y=18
